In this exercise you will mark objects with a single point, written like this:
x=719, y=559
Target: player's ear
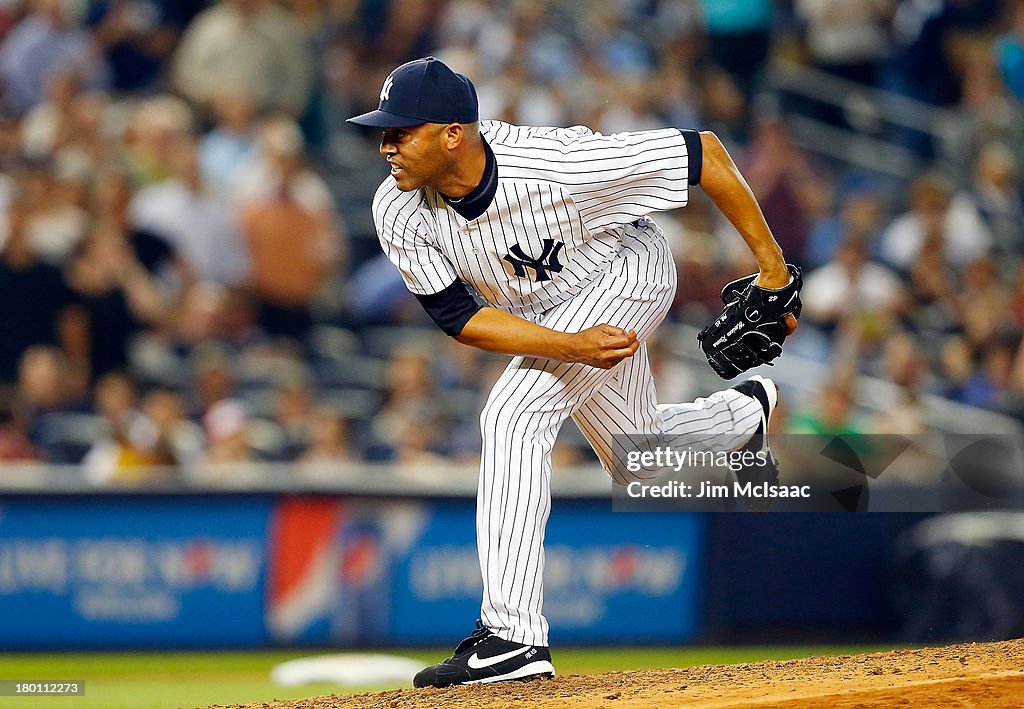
x=453, y=133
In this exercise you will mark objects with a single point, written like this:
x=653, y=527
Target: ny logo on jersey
x=385, y=91
x=547, y=261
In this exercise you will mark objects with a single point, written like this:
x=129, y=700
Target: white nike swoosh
x=476, y=663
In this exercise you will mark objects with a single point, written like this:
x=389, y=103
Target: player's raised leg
x=624, y=415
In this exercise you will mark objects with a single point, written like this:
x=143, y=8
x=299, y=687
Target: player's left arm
x=724, y=185
x=761, y=310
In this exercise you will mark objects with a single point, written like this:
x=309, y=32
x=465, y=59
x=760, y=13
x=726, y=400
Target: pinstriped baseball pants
x=532, y=399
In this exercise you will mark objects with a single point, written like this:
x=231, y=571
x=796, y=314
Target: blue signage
x=609, y=577
x=132, y=571
x=189, y=571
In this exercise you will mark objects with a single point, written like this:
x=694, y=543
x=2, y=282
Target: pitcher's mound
x=989, y=675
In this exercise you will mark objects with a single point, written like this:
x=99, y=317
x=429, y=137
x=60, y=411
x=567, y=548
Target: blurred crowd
x=189, y=275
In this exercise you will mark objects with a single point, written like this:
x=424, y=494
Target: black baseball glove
x=751, y=329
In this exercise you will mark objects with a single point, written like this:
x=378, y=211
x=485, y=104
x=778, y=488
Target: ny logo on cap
x=385, y=92
x=547, y=261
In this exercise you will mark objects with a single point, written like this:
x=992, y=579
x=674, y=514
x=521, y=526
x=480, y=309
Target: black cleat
x=484, y=657
x=766, y=473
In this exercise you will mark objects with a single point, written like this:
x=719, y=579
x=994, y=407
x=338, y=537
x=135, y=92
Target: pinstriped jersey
x=564, y=200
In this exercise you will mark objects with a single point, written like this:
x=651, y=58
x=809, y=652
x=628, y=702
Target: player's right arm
x=434, y=280
x=601, y=346
x=456, y=311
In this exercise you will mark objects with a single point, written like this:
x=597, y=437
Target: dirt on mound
x=978, y=674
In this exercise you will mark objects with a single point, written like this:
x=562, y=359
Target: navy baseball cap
x=423, y=91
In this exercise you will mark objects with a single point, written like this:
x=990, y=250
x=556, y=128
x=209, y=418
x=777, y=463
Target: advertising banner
x=364, y=572
x=131, y=572
x=239, y=570
x=609, y=577
x=331, y=573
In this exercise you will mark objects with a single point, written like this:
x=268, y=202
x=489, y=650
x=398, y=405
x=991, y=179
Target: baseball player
x=536, y=243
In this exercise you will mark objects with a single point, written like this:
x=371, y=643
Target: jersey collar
x=479, y=199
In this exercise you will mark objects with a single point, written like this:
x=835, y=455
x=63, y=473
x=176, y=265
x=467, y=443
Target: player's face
x=416, y=155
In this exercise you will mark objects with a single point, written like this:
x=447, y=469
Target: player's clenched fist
x=603, y=346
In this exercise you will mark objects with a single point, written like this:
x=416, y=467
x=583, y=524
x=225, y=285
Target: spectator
x=213, y=377
x=289, y=224
x=936, y=213
x=932, y=286
x=42, y=380
x=254, y=48
x=788, y=188
x=511, y=96
x=47, y=124
x=906, y=416
x=86, y=147
x=115, y=398
x=55, y=222
x=137, y=37
x=295, y=409
x=238, y=324
x=739, y=36
x=36, y=306
x=1016, y=288
x=834, y=414
x=111, y=197
x=677, y=96
x=15, y=446
x=155, y=132
x=847, y=39
x=980, y=283
x=43, y=391
x=128, y=451
x=226, y=425
x=117, y=294
x=377, y=295
x=227, y=150
x=981, y=325
x=412, y=418
x=176, y=439
x=861, y=217
x=416, y=441
x=198, y=224
x=1008, y=50
x=989, y=386
x=209, y=323
x=995, y=193
x=852, y=288
x=957, y=367
x=328, y=443
x=981, y=303
x=904, y=364
x=991, y=112
x=199, y=316
x=50, y=40
x=920, y=67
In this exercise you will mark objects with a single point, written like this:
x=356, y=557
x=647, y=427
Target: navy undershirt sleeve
x=451, y=308
x=694, y=153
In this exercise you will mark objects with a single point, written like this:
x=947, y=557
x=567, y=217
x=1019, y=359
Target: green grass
x=159, y=680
